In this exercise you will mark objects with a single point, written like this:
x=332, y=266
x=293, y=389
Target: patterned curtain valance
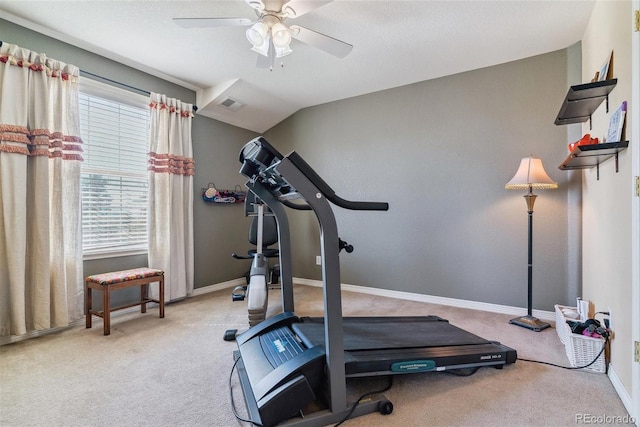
x=68, y=72
x=45, y=87
x=170, y=146
x=169, y=163
x=184, y=112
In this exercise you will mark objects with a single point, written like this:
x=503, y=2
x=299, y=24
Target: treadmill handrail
x=328, y=192
x=296, y=206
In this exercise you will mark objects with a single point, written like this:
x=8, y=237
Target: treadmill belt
x=378, y=333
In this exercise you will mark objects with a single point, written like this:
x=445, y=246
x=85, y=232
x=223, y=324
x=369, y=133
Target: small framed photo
x=604, y=69
x=616, y=123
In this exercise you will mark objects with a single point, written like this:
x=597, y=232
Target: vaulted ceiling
x=394, y=42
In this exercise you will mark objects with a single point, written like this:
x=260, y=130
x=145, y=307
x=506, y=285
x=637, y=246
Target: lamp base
x=530, y=322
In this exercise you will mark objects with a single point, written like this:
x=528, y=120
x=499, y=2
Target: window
x=114, y=126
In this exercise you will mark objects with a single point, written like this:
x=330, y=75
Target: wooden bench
x=107, y=282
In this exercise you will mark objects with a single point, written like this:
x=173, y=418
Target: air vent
x=231, y=104
x=228, y=102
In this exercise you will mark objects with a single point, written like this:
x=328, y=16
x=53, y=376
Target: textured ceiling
x=394, y=43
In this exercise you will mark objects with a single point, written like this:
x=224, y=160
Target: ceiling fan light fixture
x=257, y=34
x=268, y=35
x=282, y=51
x=262, y=49
x=280, y=35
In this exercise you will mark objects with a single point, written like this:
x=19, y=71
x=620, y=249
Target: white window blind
x=114, y=180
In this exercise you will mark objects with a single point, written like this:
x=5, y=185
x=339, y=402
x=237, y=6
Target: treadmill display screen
x=280, y=345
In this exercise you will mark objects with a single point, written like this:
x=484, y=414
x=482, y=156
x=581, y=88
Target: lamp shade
x=530, y=174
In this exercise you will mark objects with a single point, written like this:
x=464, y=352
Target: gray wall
x=219, y=230
x=440, y=152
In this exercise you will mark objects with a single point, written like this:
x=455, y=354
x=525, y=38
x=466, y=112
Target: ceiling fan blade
x=330, y=45
x=295, y=8
x=211, y=22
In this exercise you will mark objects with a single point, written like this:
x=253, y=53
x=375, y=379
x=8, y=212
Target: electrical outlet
x=318, y=260
x=610, y=318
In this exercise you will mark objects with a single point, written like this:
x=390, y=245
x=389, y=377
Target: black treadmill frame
x=269, y=182
x=332, y=296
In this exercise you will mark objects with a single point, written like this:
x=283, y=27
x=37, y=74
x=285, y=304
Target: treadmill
x=293, y=370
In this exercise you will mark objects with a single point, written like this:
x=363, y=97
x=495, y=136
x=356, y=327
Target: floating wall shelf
x=582, y=100
x=589, y=156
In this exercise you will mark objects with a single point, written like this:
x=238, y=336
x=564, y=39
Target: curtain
x=40, y=227
x=171, y=169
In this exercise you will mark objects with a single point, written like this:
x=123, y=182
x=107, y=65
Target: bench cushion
x=124, y=275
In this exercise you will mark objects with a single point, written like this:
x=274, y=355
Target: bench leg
x=87, y=304
x=106, y=309
x=161, y=285
x=144, y=294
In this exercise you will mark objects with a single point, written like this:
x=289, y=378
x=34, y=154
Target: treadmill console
x=257, y=155
x=260, y=161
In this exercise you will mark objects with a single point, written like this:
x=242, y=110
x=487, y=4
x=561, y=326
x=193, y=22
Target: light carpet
x=175, y=372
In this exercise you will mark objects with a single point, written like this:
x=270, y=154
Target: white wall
x=607, y=202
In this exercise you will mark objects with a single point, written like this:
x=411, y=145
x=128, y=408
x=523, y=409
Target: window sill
x=89, y=256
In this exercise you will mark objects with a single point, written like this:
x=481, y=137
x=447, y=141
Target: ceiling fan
x=268, y=35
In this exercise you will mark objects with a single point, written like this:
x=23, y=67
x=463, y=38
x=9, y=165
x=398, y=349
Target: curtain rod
x=87, y=73
x=146, y=92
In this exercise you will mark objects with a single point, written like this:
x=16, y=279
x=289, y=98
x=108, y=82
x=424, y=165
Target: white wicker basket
x=580, y=349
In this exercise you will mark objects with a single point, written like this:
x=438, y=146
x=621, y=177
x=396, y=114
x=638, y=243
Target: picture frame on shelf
x=616, y=123
x=604, y=69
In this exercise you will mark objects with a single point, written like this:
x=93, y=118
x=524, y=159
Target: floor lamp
x=530, y=175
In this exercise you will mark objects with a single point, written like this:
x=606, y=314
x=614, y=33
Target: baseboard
x=619, y=388
x=10, y=339
x=75, y=324
x=452, y=302
x=218, y=286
